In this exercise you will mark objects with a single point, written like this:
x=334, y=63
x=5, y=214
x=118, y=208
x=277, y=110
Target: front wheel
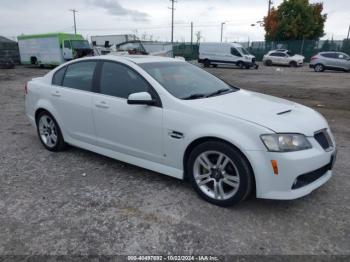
x=240, y=64
x=219, y=173
x=293, y=64
x=49, y=132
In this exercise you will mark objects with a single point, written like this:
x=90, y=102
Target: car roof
x=220, y=43
x=137, y=59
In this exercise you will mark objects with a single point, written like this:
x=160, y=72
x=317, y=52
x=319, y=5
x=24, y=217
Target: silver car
x=330, y=61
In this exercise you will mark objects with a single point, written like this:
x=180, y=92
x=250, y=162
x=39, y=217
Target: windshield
x=186, y=81
x=80, y=44
x=243, y=51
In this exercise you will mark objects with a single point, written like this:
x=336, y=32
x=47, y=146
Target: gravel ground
x=78, y=202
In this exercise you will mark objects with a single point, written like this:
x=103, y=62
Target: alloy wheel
x=48, y=131
x=216, y=175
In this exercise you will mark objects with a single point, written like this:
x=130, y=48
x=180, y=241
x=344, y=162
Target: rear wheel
x=268, y=63
x=49, y=132
x=206, y=63
x=319, y=68
x=219, y=173
x=215, y=65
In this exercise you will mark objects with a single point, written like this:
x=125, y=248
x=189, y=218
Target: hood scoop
x=284, y=112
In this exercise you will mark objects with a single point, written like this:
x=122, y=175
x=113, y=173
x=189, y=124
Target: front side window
x=243, y=51
x=120, y=81
x=67, y=44
x=79, y=76
x=235, y=52
x=184, y=80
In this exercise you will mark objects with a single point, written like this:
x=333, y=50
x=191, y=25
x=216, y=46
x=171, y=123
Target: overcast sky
x=152, y=18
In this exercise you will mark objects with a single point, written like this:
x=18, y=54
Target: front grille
x=323, y=138
x=308, y=178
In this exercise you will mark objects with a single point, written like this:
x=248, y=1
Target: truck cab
x=73, y=49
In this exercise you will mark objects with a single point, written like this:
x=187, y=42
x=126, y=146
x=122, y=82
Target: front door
x=67, y=50
x=134, y=130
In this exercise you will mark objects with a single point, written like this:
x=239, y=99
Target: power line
x=75, y=24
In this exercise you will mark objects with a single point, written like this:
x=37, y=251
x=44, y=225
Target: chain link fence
x=307, y=48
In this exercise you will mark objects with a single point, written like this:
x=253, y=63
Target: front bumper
x=299, y=173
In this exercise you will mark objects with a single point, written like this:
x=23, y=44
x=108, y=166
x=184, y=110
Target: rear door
x=74, y=101
x=134, y=130
x=331, y=59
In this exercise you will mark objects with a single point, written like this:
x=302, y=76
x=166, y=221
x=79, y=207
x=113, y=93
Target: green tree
x=295, y=20
x=346, y=46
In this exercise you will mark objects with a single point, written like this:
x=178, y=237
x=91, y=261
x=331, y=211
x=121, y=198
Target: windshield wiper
x=218, y=92
x=194, y=96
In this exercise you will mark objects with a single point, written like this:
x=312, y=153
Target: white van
x=225, y=53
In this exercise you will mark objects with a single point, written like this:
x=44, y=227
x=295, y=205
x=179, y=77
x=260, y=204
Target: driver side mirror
x=142, y=98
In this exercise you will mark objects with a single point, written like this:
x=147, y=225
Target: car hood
x=278, y=115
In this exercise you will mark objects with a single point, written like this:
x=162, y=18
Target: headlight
x=285, y=142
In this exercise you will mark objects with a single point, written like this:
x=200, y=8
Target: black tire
x=293, y=64
x=268, y=63
x=240, y=64
x=60, y=144
x=241, y=163
x=206, y=63
x=319, y=68
x=33, y=60
x=247, y=67
x=215, y=65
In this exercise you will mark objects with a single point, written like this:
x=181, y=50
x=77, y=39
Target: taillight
x=26, y=89
x=313, y=58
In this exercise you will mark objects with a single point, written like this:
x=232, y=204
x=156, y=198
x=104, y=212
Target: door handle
x=102, y=104
x=56, y=93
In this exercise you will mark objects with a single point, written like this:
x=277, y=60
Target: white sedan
x=174, y=118
x=283, y=57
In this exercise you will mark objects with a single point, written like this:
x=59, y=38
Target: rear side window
x=330, y=55
x=79, y=76
x=120, y=81
x=58, y=77
x=278, y=54
x=235, y=52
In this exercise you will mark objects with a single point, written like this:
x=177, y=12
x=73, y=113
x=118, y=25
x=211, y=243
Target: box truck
x=52, y=48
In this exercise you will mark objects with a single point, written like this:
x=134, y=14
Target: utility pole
x=172, y=20
x=191, y=33
x=270, y=3
x=222, y=30
x=75, y=24
x=348, y=33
